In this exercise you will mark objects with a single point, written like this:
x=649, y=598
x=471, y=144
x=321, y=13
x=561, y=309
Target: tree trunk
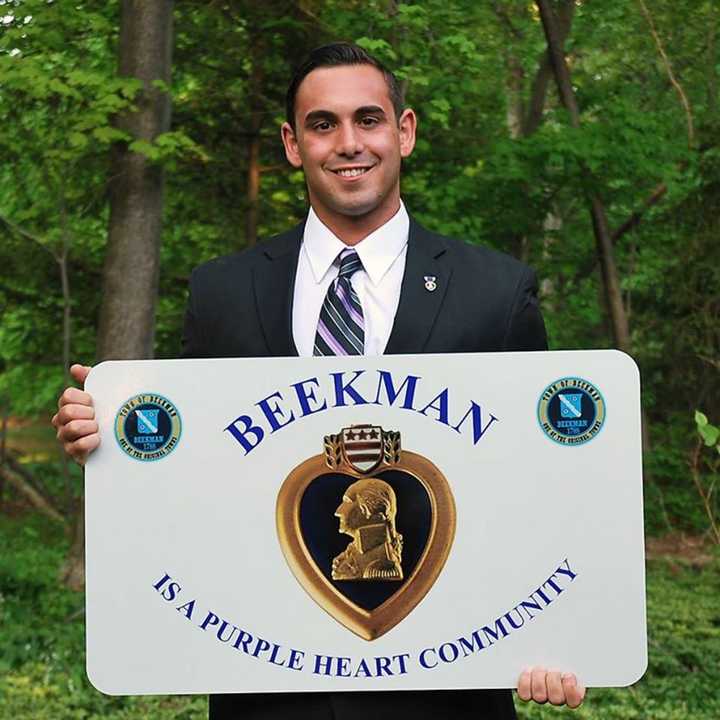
x=522, y=122
x=4, y=411
x=538, y=92
x=62, y=260
x=24, y=488
x=255, y=103
x=253, y=181
x=127, y=315
x=603, y=240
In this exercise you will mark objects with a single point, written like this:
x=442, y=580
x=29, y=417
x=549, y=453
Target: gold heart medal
x=366, y=528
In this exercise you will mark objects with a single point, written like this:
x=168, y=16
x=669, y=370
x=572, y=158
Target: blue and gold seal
x=148, y=427
x=571, y=411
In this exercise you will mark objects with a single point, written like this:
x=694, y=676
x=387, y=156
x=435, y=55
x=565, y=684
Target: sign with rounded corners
x=365, y=523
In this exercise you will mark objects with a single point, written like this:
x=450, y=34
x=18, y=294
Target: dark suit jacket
x=241, y=306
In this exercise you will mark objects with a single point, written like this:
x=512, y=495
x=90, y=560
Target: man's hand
x=77, y=430
x=542, y=686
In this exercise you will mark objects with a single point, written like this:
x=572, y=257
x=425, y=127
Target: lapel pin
x=430, y=283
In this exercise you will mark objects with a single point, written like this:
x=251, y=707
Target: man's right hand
x=74, y=421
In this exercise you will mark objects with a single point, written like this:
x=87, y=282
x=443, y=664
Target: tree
x=127, y=314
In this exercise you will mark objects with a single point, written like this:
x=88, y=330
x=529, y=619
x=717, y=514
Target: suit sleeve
x=526, y=328
x=192, y=337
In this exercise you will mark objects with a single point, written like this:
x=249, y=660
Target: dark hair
x=334, y=55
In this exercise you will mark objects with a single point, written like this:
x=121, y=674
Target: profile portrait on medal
x=367, y=513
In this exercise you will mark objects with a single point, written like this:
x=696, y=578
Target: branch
x=539, y=87
x=705, y=496
x=502, y=15
x=634, y=220
x=630, y=224
x=26, y=234
x=668, y=68
x=31, y=494
x=18, y=295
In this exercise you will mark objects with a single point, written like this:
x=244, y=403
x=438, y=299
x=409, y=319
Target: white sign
x=393, y=522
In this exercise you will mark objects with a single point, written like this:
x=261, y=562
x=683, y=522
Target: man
x=358, y=276
x=367, y=513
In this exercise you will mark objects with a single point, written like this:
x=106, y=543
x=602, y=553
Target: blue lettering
x=273, y=412
x=261, y=646
x=244, y=639
x=295, y=659
x=468, y=647
x=424, y=662
x=478, y=429
x=273, y=656
x=346, y=389
x=448, y=656
x=187, y=609
x=305, y=395
x=210, y=619
x=527, y=605
x=365, y=670
x=566, y=571
x=499, y=629
x=508, y=615
x=409, y=385
x=441, y=407
x=161, y=582
x=239, y=434
x=171, y=591
x=551, y=582
x=322, y=665
x=221, y=630
x=401, y=662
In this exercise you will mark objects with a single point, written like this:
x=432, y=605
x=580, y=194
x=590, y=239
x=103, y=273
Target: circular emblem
x=148, y=427
x=571, y=411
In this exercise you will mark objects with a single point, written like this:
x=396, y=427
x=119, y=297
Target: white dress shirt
x=382, y=254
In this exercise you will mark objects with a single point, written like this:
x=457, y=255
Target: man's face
x=349, y=143
x=349, y=513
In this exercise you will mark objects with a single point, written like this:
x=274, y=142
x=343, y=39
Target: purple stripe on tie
x=331, y=313
x=332, y=343
x=347, y=303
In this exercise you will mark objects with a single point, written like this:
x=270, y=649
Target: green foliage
x=42, y=673
x=42, y=643
x=708, y=432
x=469, y=70
x=683, y=648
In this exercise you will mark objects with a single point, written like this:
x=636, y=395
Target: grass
x=42, y=675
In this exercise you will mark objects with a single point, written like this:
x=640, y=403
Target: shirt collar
x=378, y=251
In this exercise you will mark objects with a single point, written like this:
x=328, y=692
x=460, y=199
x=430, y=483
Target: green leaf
x=145, y=148
x=108, y=134
x=77, y=140
x=700, y=419
x=709, y=434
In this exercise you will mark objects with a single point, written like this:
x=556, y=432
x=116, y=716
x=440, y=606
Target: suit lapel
x=274, y=281
x=419, y=306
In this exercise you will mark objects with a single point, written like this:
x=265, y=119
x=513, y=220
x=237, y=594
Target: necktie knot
x=350, y=263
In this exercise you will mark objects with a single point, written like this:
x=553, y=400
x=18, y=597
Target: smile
x=353, y=172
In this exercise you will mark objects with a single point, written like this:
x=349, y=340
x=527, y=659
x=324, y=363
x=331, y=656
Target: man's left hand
x=543, y=686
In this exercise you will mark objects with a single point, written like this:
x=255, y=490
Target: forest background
x=138, y=139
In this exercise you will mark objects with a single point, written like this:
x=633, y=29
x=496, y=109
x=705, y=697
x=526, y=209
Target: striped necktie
x=341, y=328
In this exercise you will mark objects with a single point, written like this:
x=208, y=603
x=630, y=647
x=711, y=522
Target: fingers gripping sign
x=541, y=686
x=77, y=429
